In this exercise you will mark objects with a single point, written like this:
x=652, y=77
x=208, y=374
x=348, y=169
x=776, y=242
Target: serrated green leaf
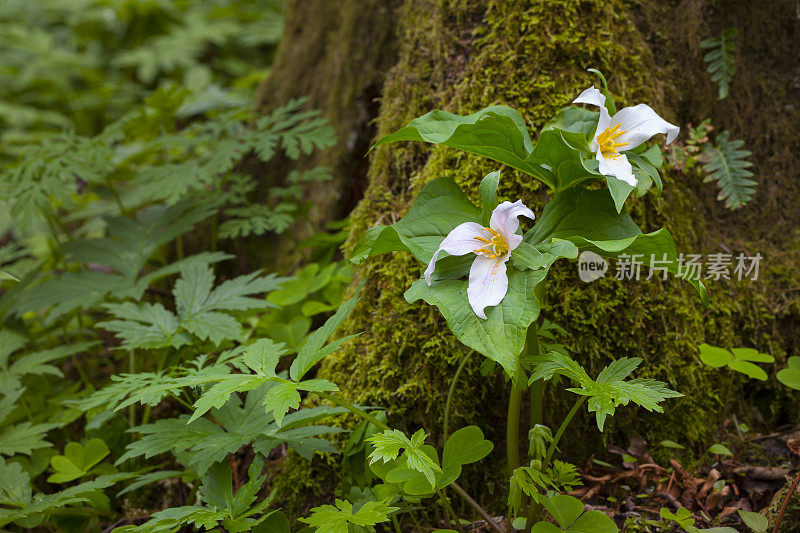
x=313, y=350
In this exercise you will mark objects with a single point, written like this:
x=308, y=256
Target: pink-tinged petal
x=488, y=283
x=617, y=166
x=591, y=96
x=640, y=123
x=505, y=222
x=460, y=241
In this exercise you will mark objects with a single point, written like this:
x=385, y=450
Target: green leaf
x=465, y=446
x=497, y=132
x=755, y=521
x=724, y=162
x=501, y=336
x=719, y=449
x=330, y=519
x=568, y=513
x=610, y=389
x=387, y=446
x=715, y=357
x=312, y=351
x=790, y=376
x=671, y=444
x=280, y=399
x=24, y=438
x=438, y=208
x=488, y=192
x=738, y=359
x=564, y=156
x=589, y=219
x=750, y=354
x=77, y=460
x=720, y=59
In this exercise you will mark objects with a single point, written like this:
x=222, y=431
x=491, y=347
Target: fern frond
x=720, y=59
x=725, y=163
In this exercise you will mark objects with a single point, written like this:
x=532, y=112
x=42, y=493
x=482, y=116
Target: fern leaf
x=725, y=163
x=720, y=59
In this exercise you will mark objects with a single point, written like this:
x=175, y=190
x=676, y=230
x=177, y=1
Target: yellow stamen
x=497, y=246
x=607, y=141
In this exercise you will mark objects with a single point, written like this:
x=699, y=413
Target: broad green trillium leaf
x=741, y=360
x=439, y=207
x=497, y=132
x=589, y=219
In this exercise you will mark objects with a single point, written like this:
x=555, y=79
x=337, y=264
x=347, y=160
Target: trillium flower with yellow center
x=627, y=129
x=492, y=246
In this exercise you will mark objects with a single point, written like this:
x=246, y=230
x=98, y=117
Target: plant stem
x=450, y=394
x=786, y=502
x=396, y=524
x=475, y=505
x=353, y=409
x=537, y=388
x=132, y=370
x=551, y=450
x=449, y=511
x=383, y=427
x=512, y=426
x=535, y=509
x=724, y=410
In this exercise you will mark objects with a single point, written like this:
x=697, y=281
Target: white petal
x=640, y=123
x=617, y=166
x=505, y=222
x=488, y=283
x=591, y=96
x=460, y=241
x=602, y=124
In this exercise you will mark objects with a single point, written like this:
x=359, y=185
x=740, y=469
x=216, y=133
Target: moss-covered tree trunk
x=533, y=55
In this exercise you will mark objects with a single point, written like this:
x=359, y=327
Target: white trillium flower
x=627, y=129
x=488, y=282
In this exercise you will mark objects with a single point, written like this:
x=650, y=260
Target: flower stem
x=512, y=426
x=450, y=394
x=537, y=388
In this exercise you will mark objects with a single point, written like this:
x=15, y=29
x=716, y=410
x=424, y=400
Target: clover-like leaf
x=77, y=460
x=741, y=360
x=568, y=513
x=463, y=447
x=790, y=376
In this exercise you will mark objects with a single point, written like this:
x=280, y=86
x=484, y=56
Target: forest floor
x=757, y=479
